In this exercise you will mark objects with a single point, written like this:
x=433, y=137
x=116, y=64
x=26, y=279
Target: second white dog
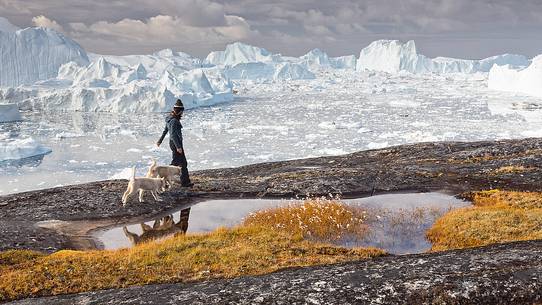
x=142, y=184
x=170, y=172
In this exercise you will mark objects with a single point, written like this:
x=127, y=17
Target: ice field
x=86, y=117
x=338, y=112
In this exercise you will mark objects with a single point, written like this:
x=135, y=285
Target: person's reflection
x=161, y=228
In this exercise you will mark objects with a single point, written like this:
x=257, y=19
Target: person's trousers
x=180, y=160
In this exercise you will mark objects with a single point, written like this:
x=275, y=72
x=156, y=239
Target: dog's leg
x=131, y=236
x=155, y=195
x=170, y=182
x=126, y=195
x=141, y=195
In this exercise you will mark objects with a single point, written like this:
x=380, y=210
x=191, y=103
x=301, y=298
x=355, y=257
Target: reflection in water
x=397, y=222
x=161, y=228
x=33, y=161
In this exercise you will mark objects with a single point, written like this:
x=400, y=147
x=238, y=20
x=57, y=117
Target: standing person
x=174, y=127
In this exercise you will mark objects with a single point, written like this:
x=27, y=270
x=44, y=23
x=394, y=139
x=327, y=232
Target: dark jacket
x=174, y=127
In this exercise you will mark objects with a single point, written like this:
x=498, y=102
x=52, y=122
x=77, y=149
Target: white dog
x=170, y=172
x=154, y=185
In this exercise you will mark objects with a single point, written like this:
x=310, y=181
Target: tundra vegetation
x=249, y=249
x=496, y=216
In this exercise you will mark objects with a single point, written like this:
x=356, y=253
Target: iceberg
x=9, y=113
x=291, y=71
x=34, y=54
x=268, y=71
x=512, y=79
x=344, y=62
x=393, y=56
x=242, y=61
x=106, y=87
x=18, y=149
x=317, y=58
x=6, y=26
x=103, y=86
x=157, y=63
x=238, y=53
x=43, y=69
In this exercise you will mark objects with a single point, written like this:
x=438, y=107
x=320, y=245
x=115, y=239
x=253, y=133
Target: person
x=174, y=127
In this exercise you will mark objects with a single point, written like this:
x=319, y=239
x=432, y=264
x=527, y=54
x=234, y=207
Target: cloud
x=47, y=23
x=160, y=32
x=290, y=27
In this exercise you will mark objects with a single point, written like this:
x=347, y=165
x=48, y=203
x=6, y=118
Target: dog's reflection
x=161, y=228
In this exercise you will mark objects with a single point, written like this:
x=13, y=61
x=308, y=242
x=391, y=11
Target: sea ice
x=9, y=113
x=17, y=149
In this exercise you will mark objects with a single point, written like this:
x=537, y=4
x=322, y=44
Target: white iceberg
x=393, y=56
x=242, y=61
x=34, y=54
x=509, y=78
x=108, y=87
x=6, y=26
x=317, y=58
x=9, y=113
x=268, y=71
x=157, y=63
x=238, y=53
x=18, y=149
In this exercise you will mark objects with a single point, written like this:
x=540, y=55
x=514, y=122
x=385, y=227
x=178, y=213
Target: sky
x=454, y=28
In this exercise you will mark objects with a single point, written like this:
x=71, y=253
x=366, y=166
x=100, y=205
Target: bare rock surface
x=499, y=274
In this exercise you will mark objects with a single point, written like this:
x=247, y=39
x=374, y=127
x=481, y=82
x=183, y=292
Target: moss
x=495, y=217
x=14, y=257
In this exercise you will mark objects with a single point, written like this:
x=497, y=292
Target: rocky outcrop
x=453, y=167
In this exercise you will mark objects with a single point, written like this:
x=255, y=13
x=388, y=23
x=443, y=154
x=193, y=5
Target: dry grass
x=327, y=220
x=512, y=169
x=496, y=217
x=225, y=253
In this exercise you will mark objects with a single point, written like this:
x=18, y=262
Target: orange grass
x=322, y=219
x=224, y=253
x=496, y=217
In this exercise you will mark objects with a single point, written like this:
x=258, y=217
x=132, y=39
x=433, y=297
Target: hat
x=178, y=106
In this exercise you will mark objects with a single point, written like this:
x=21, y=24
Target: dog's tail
x=150, y=172
x=133, y=173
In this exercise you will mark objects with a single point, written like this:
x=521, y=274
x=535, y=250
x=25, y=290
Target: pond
x=397, y=222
